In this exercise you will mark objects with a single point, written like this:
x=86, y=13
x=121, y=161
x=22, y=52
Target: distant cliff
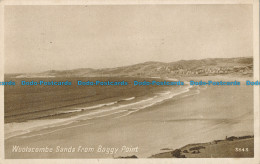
x=205, y=67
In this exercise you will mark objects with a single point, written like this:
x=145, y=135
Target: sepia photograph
x=131, y=81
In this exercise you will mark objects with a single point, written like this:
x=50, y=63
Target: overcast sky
x=40, y=38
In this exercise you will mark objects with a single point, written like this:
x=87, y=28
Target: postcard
x=129, y=81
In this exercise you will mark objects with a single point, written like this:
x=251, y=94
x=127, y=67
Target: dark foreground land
x=231, y=147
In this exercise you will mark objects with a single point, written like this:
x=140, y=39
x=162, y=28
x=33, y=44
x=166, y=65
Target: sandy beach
x=201, y=115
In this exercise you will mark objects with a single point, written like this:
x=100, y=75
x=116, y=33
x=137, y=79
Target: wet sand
x=212, y=114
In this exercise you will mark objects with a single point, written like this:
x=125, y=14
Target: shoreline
x=45, y=124
x=74, y=116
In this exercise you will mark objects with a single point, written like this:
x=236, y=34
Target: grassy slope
x=221, y=149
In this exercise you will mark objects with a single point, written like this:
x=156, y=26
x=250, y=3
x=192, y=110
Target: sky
x=41, y=38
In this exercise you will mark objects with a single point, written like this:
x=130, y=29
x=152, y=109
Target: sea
x=38, y=107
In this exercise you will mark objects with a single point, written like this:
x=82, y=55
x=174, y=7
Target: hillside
x=205, y=67
x=231, y=147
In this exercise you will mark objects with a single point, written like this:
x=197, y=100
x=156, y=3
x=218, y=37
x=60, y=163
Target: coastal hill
x=205, y=67
x=231, y=147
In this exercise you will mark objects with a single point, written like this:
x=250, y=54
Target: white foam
x=127, y=99
x=97, y=106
